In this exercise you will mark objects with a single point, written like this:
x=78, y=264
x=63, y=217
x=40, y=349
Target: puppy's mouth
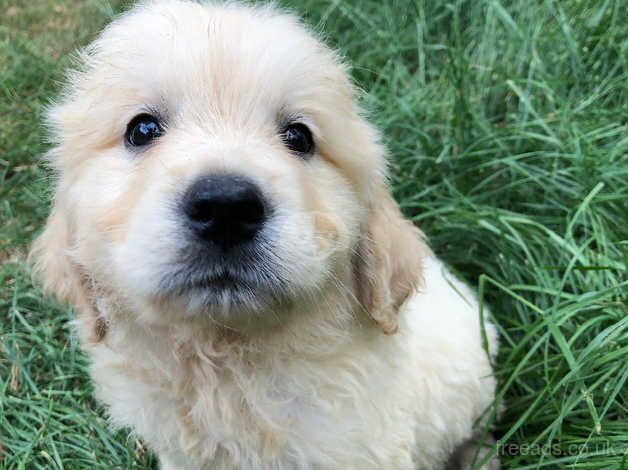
x=207, y=285
x=183, y=283
x=238, y=289
x=223, y=281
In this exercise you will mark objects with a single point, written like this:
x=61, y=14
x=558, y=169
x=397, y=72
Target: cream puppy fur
x=245, y=286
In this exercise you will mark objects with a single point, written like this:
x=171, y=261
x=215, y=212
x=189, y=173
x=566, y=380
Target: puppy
x=244, y=284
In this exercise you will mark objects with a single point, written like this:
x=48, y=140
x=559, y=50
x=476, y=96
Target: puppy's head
x=211, y=162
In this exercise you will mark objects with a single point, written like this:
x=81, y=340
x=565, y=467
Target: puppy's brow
x=285, y=117
x=158, y=111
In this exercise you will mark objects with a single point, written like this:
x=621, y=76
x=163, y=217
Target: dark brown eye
x=298, y=138
x=142, y=130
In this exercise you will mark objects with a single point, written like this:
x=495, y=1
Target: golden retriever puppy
x=246, y=288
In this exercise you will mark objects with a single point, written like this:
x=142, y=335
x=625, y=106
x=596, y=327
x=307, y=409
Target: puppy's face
x=210, y=161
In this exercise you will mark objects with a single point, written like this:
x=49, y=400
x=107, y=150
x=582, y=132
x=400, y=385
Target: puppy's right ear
x=50, y=262
x=60, y=275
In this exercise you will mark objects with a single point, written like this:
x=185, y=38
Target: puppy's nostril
x=249, y=211
x=201, y=210
x=224, y=209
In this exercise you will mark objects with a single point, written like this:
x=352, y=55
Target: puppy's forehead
x=216, y=61
x=214, y=74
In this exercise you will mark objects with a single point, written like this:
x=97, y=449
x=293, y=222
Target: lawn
x=507, y=124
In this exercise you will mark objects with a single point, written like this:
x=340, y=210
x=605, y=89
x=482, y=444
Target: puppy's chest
x=257, y=406
x=223, y=406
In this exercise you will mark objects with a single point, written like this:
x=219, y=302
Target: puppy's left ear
x=388, y=262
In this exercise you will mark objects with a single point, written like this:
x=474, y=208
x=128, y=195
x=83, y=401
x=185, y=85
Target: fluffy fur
x=355, y=348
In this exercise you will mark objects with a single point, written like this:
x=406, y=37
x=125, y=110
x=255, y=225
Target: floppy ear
x=61, y=276
x=389, y=261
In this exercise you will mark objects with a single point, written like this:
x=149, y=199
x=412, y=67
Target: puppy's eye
x=298, y=138
x=142, y=130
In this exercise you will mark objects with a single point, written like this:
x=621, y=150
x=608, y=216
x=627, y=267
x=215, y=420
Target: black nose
x=224, y=209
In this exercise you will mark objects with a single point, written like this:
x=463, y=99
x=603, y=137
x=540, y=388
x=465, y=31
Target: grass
x=507, y=123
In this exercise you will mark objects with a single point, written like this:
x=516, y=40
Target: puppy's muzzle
x=224, y=210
